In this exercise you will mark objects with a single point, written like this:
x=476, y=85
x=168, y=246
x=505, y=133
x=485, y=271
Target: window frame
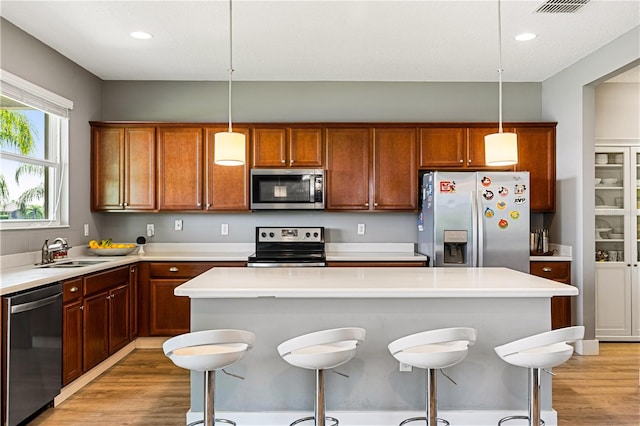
x=58, y=108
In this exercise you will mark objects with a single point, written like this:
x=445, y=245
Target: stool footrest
x=508, y=418
x=415, y=419
x=304, y=419
x=201, y=422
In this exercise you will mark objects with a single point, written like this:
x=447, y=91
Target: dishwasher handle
x=29, y=306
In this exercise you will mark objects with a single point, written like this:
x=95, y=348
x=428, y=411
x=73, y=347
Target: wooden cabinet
x=455, y=148
x=560, y=305
x=123, y=168
x=287, y=147
x=180, y=168
x=395, y=169
x=537, y=155
x=371, y=169
x=71, y=330
x=105, y=314
x=225, y=187
x=161, y=312
x=169, y=314
x=347, y=178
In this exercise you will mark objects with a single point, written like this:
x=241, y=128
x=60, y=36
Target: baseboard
x=89, y=376
x=375, y=418
x=587, y=347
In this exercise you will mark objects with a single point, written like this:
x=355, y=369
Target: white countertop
x=370, y=283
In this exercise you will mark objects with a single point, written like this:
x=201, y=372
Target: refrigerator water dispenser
x=455, y=247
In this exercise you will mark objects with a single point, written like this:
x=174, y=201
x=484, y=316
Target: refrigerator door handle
x=475, y=218
x=479, y=229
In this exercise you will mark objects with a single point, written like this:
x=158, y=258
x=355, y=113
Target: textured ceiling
x=302, y=40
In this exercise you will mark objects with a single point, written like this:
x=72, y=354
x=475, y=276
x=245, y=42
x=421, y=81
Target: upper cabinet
x=455, y=148
x=180, y=168
x=537, y=155
x=226, y=187
x=369, y=166
x=123, y=168
x=287, y=147
x=372, y=169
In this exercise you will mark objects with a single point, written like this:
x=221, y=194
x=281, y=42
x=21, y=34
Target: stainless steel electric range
x=288, y=247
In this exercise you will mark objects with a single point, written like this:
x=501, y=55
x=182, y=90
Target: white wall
x=569, y=98
x=618, y=111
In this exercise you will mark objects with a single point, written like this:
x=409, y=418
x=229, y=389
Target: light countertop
x=371, y=282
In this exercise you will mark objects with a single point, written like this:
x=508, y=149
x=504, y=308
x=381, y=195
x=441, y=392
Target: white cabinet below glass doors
x=617, y=243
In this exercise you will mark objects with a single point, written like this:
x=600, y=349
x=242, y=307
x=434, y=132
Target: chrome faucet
x=58, y=248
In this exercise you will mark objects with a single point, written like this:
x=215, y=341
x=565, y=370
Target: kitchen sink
x=73, y=264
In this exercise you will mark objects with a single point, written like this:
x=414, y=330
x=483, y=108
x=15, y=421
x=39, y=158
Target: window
x=34, y=141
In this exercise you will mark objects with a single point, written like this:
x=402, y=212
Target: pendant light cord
x=230, y=58
x=499, y=68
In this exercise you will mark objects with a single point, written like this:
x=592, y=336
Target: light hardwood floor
x=145, y=388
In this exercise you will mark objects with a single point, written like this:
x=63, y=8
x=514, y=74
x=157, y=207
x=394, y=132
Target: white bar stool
x=540, y=351
x=433, y=350
x=208, y=351
x=320, y=351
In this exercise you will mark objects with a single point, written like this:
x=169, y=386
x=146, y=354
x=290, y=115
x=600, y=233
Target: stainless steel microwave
x=294, y=189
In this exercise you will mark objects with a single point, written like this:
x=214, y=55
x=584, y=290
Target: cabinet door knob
x=547, y=269
x=208, y=205
x=375, y=204
x=198, y=204
x=469, y=161
x=366, y=204
x=133, y=270
x=73, y=289
x=461, y=161
x=173, y=269
x=126, y=204
x=282, y=161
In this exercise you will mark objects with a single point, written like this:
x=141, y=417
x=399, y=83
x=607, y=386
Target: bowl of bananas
x=109, y=248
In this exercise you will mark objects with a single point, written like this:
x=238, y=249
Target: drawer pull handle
x=173, y=269
x=546, y=269
x=73, y=289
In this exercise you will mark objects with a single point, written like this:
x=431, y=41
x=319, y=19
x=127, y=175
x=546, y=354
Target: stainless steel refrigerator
x=475, y=219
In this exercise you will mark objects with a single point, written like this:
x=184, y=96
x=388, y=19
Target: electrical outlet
x=405, y=367
x=178, y=225
x=150, y=230
x=224, y=229
x=86, y=229
x=361, y=229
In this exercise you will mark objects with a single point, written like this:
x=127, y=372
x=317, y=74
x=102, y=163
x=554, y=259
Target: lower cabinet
x=71, y=330
x=560, y=305
x=96, y=320
x=617, y=302
x=161, y=313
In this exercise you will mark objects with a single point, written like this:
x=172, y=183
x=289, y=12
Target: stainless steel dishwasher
x=33, y=351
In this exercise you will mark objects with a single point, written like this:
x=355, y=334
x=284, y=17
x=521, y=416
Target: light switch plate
x=361, y=229
x=405, y=367
x=224, y=229
x=150, y=230
x=178, y=225
x=86, y=229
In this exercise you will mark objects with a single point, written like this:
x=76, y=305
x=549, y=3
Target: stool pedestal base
x=534, y=401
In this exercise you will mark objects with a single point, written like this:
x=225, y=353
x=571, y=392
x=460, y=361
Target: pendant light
x=500, y=149
x=229, y=146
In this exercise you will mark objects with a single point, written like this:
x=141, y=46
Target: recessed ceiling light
x=141, y=35
x=525, y=36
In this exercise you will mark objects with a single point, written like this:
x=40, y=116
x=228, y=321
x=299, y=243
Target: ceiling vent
x=561, y=6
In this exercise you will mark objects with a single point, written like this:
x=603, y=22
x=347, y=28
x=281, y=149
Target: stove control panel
x=294, y=235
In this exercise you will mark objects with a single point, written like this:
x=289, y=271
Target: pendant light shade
x=500, y=149
x=229, y=149
x=230, y=146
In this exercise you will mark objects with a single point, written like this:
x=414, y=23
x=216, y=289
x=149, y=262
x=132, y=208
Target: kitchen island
x=280, y=303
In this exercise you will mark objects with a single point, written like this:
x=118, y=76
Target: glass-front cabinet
x=617, y=242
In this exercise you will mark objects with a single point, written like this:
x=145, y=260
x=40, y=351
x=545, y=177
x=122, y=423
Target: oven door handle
x=284, y=265
x=29, y=306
